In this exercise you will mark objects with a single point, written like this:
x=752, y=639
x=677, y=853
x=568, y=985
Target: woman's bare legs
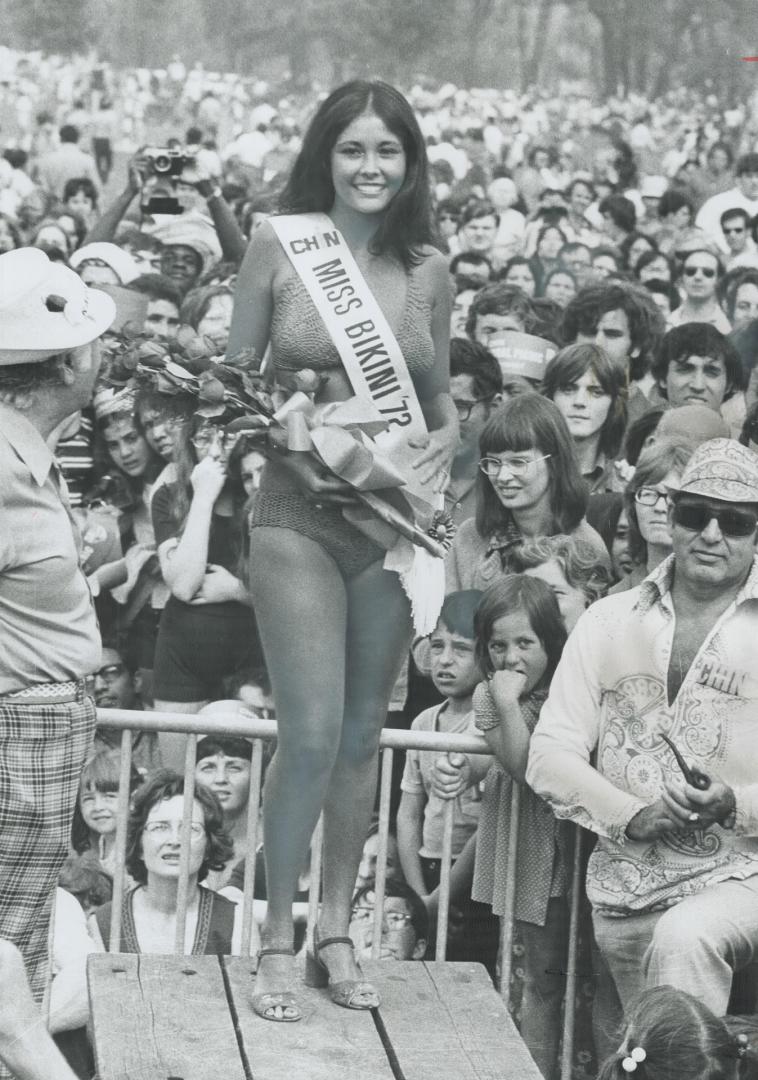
x=378, y=639
x=301, y=609
x=172, y=745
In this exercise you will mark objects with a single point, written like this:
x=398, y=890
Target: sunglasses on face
x=695, y=517
x=706, y=271
x=464, y=407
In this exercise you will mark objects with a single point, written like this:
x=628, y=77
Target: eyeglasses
x=695, y=517
x=203, y=439
x=650, y=496
x=395, y=920
x=463, y=407
x=706, y=271
x=110, y=672
x=518, y=466
x=161, y=829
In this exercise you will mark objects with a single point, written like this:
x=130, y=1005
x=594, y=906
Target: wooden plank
x=329, y=1043
x=161, y=1018
x=446, y=1020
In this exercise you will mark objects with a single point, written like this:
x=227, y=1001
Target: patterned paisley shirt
x=608, y=703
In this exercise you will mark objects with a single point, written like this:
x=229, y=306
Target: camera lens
x=161, y=163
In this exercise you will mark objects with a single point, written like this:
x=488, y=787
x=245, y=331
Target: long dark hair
x=516, y=592
x=407, y=224
x=570, y=364
x=531, y=422
x=680, y=1037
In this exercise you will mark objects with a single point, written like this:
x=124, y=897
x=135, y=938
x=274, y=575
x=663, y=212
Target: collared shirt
x=609, y=697
x=47, y=619
x=460, y=498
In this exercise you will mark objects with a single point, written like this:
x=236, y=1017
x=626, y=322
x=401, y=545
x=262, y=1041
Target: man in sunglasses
x=673, y=879
x=744, y=194
x=701, y=270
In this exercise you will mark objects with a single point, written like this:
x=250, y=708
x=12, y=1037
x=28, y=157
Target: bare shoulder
x=433, y=272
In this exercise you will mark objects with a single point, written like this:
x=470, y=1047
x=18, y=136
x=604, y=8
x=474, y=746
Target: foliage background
x=649, y=46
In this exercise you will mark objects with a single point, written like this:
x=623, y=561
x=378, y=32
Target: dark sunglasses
x=695, y=517
x=706, y=271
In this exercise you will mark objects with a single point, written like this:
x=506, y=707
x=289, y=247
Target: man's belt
x=53, y=693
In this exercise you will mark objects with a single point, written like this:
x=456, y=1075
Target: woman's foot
x=274, y=998
x=333, y=963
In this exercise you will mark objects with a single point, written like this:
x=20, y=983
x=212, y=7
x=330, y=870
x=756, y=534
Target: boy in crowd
x=420, y=818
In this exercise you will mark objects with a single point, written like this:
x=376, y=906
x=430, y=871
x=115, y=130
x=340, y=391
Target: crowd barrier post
x=567, y=1048
x=253, y=814
x=182, y=893
x=380, y=879
x=122, y=818
x=446, y=862
x=509, y=906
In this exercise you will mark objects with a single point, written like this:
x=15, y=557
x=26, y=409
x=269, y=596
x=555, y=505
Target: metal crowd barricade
x=259, y=730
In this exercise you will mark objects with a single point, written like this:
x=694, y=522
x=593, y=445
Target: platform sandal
x=265, y=1003
x=345, y=993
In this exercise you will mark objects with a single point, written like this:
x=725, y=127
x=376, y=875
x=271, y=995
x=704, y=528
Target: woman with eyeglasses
x=207, y=630
x=529, y=485
x=153, y=847
x=698, y=279
x=659, y=469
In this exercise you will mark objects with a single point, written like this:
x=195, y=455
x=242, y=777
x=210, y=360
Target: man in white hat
x=673, y=879
x=49, y=640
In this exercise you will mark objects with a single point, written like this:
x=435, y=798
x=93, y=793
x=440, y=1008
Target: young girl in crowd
x=93, y=831
x=519, y=638
x=670, y=1035
x=207, y=630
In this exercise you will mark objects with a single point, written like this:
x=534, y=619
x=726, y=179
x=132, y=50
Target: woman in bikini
x=335, y=624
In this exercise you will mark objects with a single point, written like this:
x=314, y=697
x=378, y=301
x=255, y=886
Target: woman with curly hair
x=570, y=567
x=153, y=842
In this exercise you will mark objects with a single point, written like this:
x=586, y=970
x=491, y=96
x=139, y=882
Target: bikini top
x=299, y=338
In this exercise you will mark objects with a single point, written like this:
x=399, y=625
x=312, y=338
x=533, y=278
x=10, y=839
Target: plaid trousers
x=42, y=751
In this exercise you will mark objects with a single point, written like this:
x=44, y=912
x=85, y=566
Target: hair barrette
x=634, y=1058
x=743, y=1044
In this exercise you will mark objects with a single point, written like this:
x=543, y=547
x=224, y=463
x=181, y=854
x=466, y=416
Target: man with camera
x=166, y=179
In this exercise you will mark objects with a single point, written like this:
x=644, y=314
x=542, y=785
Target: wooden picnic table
x=189, y=1018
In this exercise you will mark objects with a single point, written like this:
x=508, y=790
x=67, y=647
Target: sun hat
x=45, y=308
x=192, y=230
x=119, y=260
x=112, y=401
x=721, y=469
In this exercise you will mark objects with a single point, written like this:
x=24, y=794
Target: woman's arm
x=254, y=295
x=184, y=564
x=441, y=417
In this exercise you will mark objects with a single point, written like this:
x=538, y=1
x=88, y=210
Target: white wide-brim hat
x=45, y=308
x=120, y=261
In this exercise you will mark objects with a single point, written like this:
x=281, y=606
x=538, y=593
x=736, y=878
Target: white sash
x=368, y=348
x=378, y=373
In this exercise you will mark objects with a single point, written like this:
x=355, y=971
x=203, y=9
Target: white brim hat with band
x=721, y=469
x=45, y=308
x=120, y=261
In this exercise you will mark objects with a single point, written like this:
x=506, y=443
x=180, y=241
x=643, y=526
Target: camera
x=166, y=161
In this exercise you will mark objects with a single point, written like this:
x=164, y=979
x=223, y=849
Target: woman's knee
x=359, y=744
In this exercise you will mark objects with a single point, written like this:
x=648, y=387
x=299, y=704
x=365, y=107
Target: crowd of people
x=568, y=296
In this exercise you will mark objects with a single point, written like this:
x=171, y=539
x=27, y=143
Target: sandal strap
x=275, y=952
x=321, y=943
